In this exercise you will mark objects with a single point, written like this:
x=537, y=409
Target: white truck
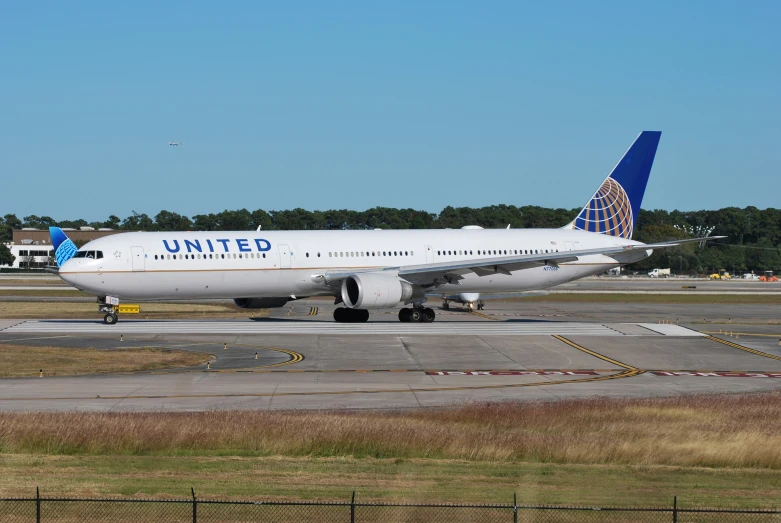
x=659, y=273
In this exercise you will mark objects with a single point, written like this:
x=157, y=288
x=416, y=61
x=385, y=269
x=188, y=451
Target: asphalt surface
x=299, y=359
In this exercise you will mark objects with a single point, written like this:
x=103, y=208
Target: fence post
x=195, y=506
x=675, y=509
x=515, y=507
x=37, y=505
x=352, y=509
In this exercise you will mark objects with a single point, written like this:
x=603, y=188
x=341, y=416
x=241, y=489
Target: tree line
x=754, y=235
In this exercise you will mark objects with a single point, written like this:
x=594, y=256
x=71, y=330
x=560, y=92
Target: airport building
x=32, y=248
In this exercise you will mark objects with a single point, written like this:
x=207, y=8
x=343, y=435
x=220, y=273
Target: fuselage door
x=137, y=254
x=568, y=246
x=429, y=254
x=284, y=256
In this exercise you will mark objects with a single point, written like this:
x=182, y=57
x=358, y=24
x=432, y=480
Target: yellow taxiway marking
x=486, y=316
x=746, y=349
x=628, y=372
x=596, y=354
x=744, y=334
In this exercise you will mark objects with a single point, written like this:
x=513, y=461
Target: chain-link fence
x=62, y=510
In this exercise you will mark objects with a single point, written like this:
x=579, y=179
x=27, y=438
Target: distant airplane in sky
x=175, y=144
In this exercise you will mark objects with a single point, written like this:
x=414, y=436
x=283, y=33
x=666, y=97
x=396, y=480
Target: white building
x=30, y=256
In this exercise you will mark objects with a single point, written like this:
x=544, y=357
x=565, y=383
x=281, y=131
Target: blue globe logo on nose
x=609, y=212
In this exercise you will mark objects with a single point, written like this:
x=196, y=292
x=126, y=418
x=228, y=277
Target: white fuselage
x=256, y=264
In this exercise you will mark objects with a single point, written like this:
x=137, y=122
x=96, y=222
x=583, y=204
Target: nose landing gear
x=109, y=306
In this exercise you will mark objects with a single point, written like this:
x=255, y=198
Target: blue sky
x=359, y=104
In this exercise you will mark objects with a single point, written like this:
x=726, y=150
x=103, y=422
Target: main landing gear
x=417, y=315
x=111, y=318
x=345, y=315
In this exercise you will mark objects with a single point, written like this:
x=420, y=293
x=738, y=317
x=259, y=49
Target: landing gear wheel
x=446, y=305
x=428, y=315
x=415, y=315
x=404, y=315
x=344, y=315
x=110, y=318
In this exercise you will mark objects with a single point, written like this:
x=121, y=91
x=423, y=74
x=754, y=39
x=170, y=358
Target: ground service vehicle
x=722, y=275
x=659, y=273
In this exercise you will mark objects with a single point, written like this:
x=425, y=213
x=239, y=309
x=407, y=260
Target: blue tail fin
x=614, y=207
x=64, y=248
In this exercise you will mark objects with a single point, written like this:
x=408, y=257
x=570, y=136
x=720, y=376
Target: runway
x=456, y=328
x=515, y=351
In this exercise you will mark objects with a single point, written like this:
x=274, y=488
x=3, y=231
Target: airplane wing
x=434, y=274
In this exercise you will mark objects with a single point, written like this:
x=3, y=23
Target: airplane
x=175, y=144
x=365, y=270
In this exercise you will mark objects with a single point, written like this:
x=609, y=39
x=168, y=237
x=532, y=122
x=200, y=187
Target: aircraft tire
x=404, y=315
x=428, y=315
x=340, y=315
x=415, y=315
x=110, y=319
x=361, y=315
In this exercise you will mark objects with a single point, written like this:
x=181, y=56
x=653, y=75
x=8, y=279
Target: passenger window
x=318, y=254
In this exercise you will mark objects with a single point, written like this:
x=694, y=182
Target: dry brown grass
x=26, y=361
x=704, y=431
x=67, y=310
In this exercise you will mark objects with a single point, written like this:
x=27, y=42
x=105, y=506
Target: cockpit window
x=93, y=255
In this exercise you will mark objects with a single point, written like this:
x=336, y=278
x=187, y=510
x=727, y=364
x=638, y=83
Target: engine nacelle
x=260, y=303
x=374, y=291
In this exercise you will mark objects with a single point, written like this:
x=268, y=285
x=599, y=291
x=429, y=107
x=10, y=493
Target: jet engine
x=375, y=291
x=260, y=303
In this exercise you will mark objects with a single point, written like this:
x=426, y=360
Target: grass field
x=37, y=309
x=27, y=361
x=765, y=299
x=53, y=293
x=32, y=281
x=710, y=450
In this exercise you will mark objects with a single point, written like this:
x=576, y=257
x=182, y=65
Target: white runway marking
x=669, y=329
x=317, y=327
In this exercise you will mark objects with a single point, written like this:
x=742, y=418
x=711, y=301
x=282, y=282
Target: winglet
x=64, y=248
x=614, y=208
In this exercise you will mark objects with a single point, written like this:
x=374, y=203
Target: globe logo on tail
x=64, y=248
x=609, y=212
